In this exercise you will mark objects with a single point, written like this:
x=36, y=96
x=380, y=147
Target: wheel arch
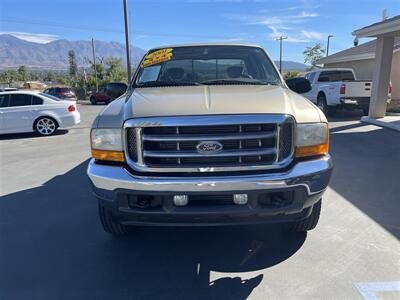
x=321, y=93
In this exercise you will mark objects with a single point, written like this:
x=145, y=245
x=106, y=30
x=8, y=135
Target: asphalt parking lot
x=52, y=245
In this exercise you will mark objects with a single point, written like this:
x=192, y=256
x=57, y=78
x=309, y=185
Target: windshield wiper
x=157, y=83
x=238, y=81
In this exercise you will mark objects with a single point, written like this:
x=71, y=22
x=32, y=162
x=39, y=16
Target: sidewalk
x=391, y=120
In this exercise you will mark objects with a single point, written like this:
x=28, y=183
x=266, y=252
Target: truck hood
x=209, y=100
x=221, y=99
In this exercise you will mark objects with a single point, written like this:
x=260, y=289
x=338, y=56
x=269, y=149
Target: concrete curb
x=391, y=122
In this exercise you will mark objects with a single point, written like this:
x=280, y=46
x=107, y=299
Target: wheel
x=93, y=100
x=45, y=126
x=109, y=224
x=326, y=109
x=311, y=221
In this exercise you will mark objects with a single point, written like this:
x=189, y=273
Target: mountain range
x=15, y=52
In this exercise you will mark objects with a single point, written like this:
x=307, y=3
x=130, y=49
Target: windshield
x=211, y=65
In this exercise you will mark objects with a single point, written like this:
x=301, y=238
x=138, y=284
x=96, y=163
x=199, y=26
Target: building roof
x=360, y=52
x=389, y=26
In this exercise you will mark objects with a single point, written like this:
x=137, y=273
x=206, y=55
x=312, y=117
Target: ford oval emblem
x=209, y=147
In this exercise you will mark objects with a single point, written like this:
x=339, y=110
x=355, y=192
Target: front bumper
x=305, y=182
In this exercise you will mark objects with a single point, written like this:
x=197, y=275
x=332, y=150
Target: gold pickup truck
x=209, y=134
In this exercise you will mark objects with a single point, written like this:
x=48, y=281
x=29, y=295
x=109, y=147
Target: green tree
x=49, y=77
x=9, y=76
x=23, y=72
x=73, y=68
x=292, y=74
x=312, y=54
x=114, y=70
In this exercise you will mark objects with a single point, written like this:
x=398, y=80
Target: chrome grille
x=248, y=144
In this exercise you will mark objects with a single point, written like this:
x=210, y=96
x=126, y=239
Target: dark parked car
x=65, y=93
x=108, y=93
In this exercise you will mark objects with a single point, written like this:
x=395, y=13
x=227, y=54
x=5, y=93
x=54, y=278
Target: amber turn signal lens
x=108, y=155
x=312, y=150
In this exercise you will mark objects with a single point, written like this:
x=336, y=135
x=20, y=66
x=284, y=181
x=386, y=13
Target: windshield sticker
x=157, y=57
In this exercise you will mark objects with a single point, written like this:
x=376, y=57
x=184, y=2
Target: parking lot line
x=370, y=290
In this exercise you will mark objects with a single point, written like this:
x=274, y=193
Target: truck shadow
x=54, y=248
x=366, y=167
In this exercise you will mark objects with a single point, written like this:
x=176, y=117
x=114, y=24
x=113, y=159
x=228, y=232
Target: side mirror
x=299, y=85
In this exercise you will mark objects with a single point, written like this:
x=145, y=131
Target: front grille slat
x=191, y=137
x=243, y=145
x=228, y=153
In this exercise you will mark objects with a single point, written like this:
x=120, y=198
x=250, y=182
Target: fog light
x=181, y=200
x=240, y=199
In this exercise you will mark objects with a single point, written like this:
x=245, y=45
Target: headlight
x=312, y=139
x=107, y=144
x=107, y=139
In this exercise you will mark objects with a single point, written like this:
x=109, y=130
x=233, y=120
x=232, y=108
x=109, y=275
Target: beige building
x=362, y=59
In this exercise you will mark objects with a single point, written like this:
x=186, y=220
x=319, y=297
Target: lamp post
x=127, y=44
x=327, y=46
x=280, y=39
x=94, y=66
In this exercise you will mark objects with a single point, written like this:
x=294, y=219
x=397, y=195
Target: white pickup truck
x=334, y=88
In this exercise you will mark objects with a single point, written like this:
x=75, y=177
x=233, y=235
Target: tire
x=311, y=222
x=326, y=109
x=45, y=126
x=93, y=100
x=109, y=224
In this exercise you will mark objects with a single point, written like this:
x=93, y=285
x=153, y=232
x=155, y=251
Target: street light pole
x=94, y=66
x=127, y=44
x=280, y=39
x=327, y=46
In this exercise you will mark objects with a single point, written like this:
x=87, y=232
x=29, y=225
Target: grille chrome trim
x=219, y=154
x=207, y=120
x=191, y=137
x=139, y=145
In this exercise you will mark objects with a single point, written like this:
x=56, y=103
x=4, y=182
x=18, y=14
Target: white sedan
x=27, y=111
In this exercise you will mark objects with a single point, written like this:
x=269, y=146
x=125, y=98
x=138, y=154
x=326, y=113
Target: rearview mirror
x=299, y=85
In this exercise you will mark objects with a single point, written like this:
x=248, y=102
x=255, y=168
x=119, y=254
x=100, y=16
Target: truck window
x=206, y=65
x=346, y=75
x=311, y=77
x=324, y=76
x=332, y=76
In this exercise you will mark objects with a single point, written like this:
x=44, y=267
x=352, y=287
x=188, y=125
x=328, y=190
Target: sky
x=155, y=23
